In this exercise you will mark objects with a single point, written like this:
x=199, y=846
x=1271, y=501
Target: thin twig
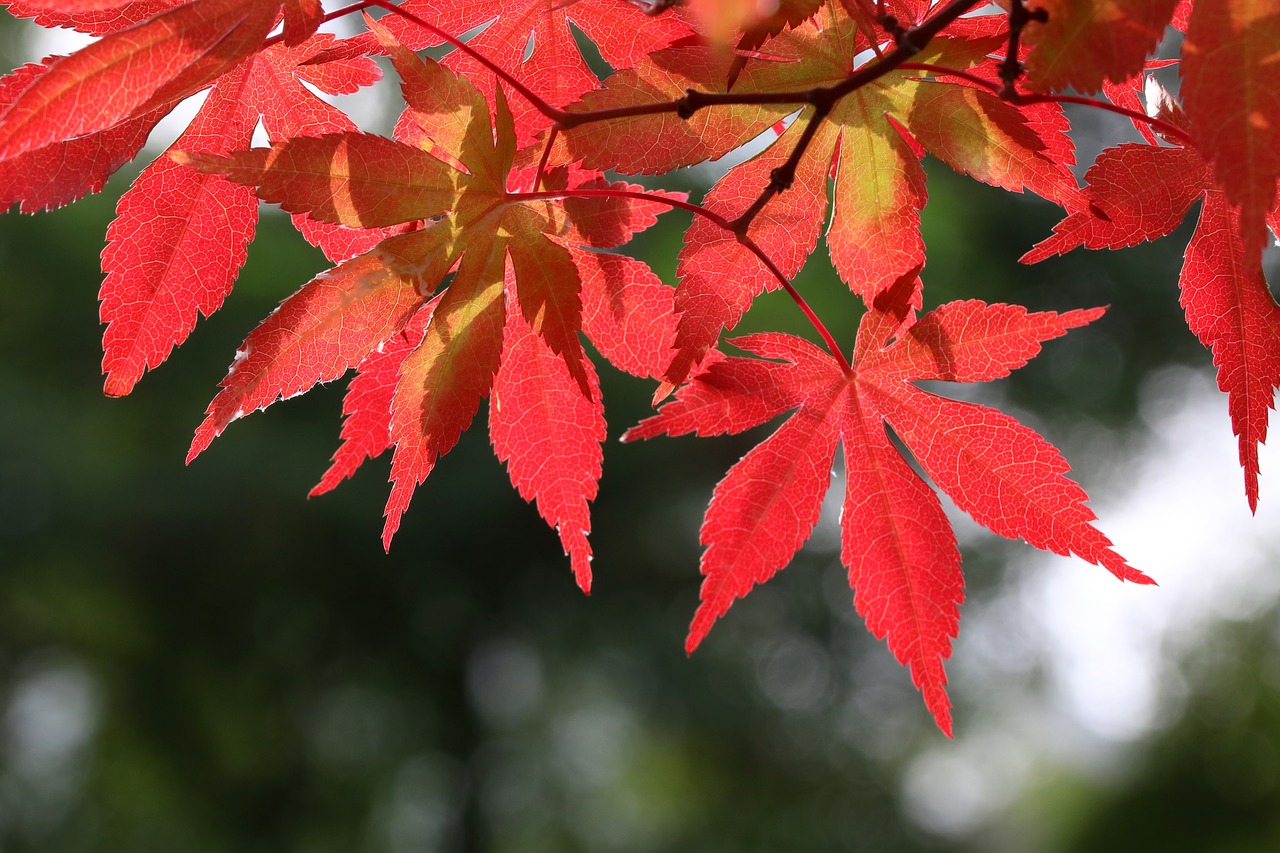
x=698, y=210
x=1019, y=99
x=529, y=95
x=824, y=99
x=1019, y=16
x=332, y=16
x=546, y=155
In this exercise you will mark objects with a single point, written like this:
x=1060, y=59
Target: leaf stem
x=546, y=155
x=332, y=16
x=553, y=113
x=911, y=42
x=1018, y=99
x=908, y=42
x=1019, y=16
x=698, y=210
x=1159, y=124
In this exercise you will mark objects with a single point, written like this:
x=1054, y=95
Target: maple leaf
x=721, y=20
x=877, y=134
x=129, y=72
x=902, y=558
x=1141, y=192
x=549, y=435
x=462, y=272
x=533, y=41
x=95, y=17
x=301, y=20
x=180, y=237
x=539, y=421
x=871, y=142
x=508, y=321
x=1087, y=42
x=653, y=143
x=61, y=172
x=1228, y=89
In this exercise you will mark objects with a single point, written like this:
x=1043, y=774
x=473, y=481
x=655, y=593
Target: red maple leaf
x=95, y=17
x=1084, y=43
x=871, y=144
x=130, y=72
x=899, y=549
x=1228, y=88
x=533, y=41
x=180, y=236
x=1141, y=192
x=507, y=323
x=61, y=172
x=463, y=272
x=99, y=17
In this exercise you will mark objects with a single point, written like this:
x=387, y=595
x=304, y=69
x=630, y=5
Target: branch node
x=1011, y=69
x=655, y=7
x=902, y=37
x=688, y=105
x=781, y=178
x=893, y=27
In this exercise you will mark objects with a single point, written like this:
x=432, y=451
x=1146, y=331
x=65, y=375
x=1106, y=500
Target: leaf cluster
x=476, y=248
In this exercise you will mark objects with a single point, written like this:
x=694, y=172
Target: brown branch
x=1019, y=16
x=824, y=99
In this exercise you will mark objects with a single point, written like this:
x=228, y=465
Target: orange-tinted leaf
x=355, y=179
x=133, y=71
x=874, y=234
x=548, y=289
x=366, y=429
x=326, y=328
x=289, y=109
x=443, y=107
x=1085, y=42
x=443, y=381
x=879, y=193
x=976, y=133
x=721, y=20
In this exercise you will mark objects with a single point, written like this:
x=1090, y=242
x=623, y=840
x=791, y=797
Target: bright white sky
x=1175, y=507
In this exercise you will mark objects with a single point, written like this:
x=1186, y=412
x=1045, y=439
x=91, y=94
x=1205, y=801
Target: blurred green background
x=201, y=659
